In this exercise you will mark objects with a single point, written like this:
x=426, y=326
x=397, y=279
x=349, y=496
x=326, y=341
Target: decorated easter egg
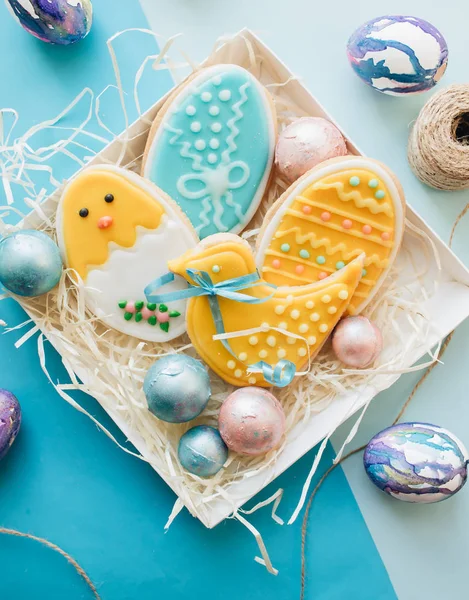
x=177, y=388
x=211, y=148
x=118, y=231
x=398, y=55
x=202, y=451
x=357, y=342
x=416, y=462
x=30, y=263
x=251, y=421
x=341, y=209
x=304, y=144
x=54, y=21
x=10, y=420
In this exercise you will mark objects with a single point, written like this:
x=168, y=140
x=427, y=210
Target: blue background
x=64, y=480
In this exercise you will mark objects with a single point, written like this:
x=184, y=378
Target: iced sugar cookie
x=211, y=148
x=118, y=231
x=308, y=312
x=335, y=212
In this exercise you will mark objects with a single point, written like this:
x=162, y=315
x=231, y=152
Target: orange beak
x=105, y=222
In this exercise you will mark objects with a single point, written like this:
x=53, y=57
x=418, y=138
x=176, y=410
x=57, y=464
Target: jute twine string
x=438, y=149
x=57, y=549
x=361, y=448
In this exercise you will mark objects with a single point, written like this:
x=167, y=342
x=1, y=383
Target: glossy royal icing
x=118, y=231
x=309, y=312
x=212, y=150
x=340, y=210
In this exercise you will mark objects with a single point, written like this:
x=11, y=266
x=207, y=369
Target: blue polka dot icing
x=213, y=150
x=373, y=183
x=416, y=462
x=380, y=194
x=398, y=55
x=354, y=181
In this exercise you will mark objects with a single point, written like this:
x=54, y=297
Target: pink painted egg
x=251, y=421
x=357, y=342
x=306, y=143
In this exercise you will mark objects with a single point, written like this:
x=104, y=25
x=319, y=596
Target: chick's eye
x=109, y=198
x=84, y=212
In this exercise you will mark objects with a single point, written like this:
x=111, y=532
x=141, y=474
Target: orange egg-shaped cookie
x=341, y=209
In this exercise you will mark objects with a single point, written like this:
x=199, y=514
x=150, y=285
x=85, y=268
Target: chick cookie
x=117, y=232
x=287, y=325
x=339, y=210
x=211, y=148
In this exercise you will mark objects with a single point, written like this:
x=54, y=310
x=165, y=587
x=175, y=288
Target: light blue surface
x=215, y=184
x=64, y=480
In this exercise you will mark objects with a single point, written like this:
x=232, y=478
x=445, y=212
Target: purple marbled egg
x=416, y=462
x=54, y=21
x=398, y=55
x=10, y=420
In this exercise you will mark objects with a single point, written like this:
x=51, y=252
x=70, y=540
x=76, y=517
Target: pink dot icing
x=162, y=317
x=322, y=275
x=146, y=314
x=299, y=269
x=385, y=236
x=276, y=263
x=367, y=229
x=307, y=209
x=347, y=224
x=130, y=307
x=326, y=216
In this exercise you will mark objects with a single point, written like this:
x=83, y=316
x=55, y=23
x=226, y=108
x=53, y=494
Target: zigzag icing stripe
x=370, y=203
x=371, y=238
x=185, y=146
x=301, y=238
x=369, y=282
x=343, y=213
x=231, y=124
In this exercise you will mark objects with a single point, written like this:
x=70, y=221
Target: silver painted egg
x=202, y=451
x=357, y=342
x=177, y=388
x=416, y=462
x=30, y=263
x=54, y=21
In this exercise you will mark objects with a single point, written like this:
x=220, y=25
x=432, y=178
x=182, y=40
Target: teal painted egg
x=417, y=462
x=30, y=263
x=54, y=21
x=212, y=148
x=202, y=451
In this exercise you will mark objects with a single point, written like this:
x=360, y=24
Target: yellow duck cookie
x=339, y=210
x=308, y=312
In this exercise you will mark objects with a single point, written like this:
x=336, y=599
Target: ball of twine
x=438, y=149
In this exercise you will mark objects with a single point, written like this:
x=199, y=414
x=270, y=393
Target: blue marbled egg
x=416, y=462
x=398, y=55
x=212, y=147
x=54, y=21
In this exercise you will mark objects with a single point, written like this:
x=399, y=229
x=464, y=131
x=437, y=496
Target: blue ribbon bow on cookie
x=280, y=374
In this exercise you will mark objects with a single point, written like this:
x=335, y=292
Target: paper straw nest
x=112, y=366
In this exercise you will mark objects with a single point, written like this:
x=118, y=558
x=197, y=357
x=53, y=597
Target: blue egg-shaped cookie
x=417, y=462
x=211, y=148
